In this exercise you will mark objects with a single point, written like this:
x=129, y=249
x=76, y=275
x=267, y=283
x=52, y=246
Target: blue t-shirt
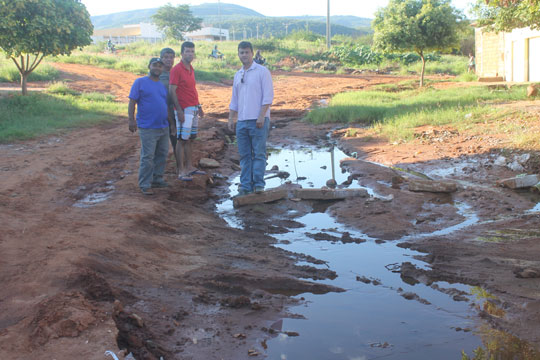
x=151, y=97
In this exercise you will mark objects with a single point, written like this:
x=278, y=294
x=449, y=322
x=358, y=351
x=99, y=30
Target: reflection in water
x=499, y=345
x=380, y=315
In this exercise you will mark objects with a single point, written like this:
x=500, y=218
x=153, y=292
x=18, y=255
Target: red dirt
x=165, y=276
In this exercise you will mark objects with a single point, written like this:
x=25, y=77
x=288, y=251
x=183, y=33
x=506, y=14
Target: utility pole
x=219, y=17
x=328, y=25
x=245, y=33
x=287, y=29
x=257, y=31
x=232, y=27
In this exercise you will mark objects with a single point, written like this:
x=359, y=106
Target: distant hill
x=238, y=17
x=145, y=15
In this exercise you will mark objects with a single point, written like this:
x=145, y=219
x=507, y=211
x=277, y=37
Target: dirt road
x=165, y=276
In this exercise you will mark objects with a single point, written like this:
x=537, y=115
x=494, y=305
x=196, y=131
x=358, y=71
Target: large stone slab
x=209, y=163
x=328, y=194
x=418, y=185
x=264, y=197
x=520, y=182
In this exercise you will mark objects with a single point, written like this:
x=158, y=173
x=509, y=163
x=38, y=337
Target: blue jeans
x=252, y=149
x=154, y=151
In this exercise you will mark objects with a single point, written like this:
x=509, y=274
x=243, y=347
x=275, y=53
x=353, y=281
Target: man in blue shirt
x=252, y=96
x=149, y=95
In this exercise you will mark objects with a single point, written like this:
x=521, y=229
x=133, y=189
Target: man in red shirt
x=187, y=110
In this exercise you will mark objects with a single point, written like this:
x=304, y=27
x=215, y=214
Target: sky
x=361, y=8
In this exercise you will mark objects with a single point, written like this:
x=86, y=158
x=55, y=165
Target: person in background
x=182, y=88
x=216, y=54
x=252, y=95
x=149, y=96
x=167, y=57
x=259, y=59
x=472, y=64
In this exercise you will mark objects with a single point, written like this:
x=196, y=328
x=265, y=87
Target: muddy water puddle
x=381, y=314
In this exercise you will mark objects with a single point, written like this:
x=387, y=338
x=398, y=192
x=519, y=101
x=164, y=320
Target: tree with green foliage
x=417, y=25
x=505, y=15
x=174, y=21
x=33, y=29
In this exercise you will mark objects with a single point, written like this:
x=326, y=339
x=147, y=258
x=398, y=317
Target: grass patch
x=60, y=88
x=395, y=115
x=26, y=117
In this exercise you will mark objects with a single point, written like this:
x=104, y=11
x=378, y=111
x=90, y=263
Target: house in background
x=508, y=56
x=149, y=32
x=129, y=33
x=208, y=34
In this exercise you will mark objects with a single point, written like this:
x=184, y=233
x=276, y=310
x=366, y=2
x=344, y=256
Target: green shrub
x=304, y=35
x=264, y=45
x=60, y=88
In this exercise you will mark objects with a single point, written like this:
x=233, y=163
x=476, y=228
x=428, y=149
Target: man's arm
x=233, y=115
x=260, y=119
x=180, y=112
x=131, y=115
x=268, y=97
x=172, y=122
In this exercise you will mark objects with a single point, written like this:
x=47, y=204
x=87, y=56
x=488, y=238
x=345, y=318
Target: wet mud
x=88, y=264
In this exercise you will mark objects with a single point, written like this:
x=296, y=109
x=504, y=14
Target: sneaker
x=147, y=191
x=159, y=184
x=259, y=190
x=197, y=172
x=242, y=192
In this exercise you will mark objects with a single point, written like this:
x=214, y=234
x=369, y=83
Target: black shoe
x=259, y=190
x=160, y=184
x=147, y=191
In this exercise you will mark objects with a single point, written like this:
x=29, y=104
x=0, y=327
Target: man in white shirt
x=252, y=96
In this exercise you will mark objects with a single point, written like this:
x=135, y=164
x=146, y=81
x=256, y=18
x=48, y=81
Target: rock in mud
x=515, y=166
x=346, y=238
x=413, y=296
x=328, y=194
x=520, y=182
x=264, y=197
x=209, y=163
x=434, y=186
x=500, y=161
x=331, y=183
x=237, y=302
x=363, y=279
x=527, y=273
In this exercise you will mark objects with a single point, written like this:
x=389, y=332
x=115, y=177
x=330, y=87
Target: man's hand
x=231, y=125
x=260, y=122
x=180, y=116
x=201, y=112
x=132, y=125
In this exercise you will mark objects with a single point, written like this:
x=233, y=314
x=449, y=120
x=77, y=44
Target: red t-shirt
x=184, y=79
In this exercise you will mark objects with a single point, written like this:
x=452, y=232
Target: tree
x=174, y=21
x=417, y=25
x=505, y=15
x=33, y=29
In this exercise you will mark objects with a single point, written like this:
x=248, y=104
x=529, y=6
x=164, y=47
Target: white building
x=129, y=33
x=208, y=34
x=149, y=32
x=511, y=56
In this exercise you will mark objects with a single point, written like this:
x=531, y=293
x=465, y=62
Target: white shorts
x=189, y=129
